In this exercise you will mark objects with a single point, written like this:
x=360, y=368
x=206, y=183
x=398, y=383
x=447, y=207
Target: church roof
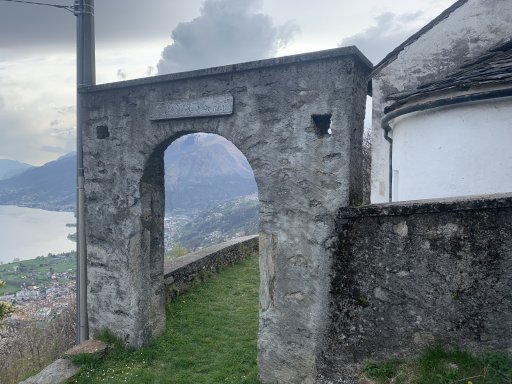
x=492, y=68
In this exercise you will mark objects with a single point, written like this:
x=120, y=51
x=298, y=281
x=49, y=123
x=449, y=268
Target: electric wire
x=69, y=8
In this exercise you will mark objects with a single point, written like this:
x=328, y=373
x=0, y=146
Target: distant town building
x=30, y=294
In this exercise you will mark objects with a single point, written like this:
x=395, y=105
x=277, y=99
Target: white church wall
x=453, y=151
x=466, y=33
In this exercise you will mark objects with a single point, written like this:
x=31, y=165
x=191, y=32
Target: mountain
x=10, y=168
x=201, y=170
x=50, y=186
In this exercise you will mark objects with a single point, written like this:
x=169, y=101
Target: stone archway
x=298, y=120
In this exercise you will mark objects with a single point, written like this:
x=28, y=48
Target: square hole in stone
x=323, y=124
x=102, y=132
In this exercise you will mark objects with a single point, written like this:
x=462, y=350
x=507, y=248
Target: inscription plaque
x=201, y=107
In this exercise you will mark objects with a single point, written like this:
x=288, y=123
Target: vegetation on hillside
x=28, y=347
x=5, y=308
x=210, y=338
x=38, y=271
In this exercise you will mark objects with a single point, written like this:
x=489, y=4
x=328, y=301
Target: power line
x=70, y=8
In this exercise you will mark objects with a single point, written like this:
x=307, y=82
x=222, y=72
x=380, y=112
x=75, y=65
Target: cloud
x=33, y=25
x=226, y=32
x=116, y=21
x=66, y=110
x=38, y=111
x=54, y=149
x=390, y=31
x=29, y=131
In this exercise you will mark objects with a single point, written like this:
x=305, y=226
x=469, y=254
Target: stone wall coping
x=171, y=266
x=415, y=207
x=247, y=66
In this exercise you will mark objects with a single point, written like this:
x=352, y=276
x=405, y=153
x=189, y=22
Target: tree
x=5, y=308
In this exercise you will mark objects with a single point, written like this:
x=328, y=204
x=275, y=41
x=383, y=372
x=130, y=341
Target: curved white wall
x=453, y=151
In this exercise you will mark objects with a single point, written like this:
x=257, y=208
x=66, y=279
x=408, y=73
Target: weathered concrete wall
x=407, y=275
x=304, y=174
x=466, y=33
x=182, y=273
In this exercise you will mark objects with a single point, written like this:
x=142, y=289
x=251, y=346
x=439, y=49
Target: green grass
x=438, y=366
x=210, y=338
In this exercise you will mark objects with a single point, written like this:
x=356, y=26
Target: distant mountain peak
x=10, y=168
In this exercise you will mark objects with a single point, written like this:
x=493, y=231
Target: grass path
x=210, y=338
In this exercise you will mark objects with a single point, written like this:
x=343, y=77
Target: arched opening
x=210, y=194
x=198, y=190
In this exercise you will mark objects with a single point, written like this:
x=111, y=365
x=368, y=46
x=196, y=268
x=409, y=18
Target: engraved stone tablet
x=202, y=107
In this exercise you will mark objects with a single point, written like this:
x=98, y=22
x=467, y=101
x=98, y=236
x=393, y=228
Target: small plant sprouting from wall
x=177, y=251
x=362, y=300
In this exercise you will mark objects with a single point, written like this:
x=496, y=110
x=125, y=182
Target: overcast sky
x=136, y=38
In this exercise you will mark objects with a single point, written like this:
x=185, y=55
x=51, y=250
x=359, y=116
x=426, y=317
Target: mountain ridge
x=10, y=168
x=201, y=170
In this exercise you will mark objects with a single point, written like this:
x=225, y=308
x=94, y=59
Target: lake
x=26, y=233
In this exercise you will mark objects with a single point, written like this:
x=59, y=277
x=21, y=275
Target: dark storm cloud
x=390, y=31
x=116, y=20
x=226, y=32
x=22, y=24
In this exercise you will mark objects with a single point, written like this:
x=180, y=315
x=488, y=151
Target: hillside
x=38, y=272
x=220, y=222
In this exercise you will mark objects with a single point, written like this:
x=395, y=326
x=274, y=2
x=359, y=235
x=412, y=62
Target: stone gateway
x=299, y=122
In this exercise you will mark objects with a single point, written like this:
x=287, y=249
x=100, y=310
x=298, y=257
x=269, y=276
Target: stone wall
x=181, y=273
x=409, y=275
